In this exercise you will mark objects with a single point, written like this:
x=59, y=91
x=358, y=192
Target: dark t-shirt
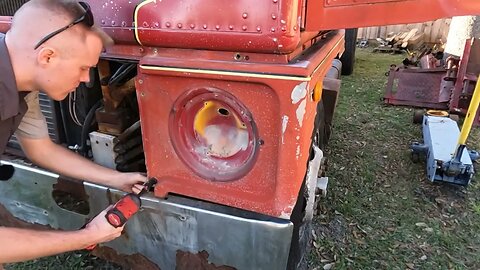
x=12, y=104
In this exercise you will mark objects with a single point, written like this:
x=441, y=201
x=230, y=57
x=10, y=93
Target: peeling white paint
x=298, y=137
x=284, y=215
x=297, y=154
x=311, y=181
x=299, y=92
x=301, y=112
x=284, y=126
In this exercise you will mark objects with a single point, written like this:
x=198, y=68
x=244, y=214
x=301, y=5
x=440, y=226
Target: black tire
x=418, y=116
x=454, y=117
x=348, y=57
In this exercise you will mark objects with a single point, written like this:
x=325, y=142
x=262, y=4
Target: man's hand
x=99, y=230
x=128, y=182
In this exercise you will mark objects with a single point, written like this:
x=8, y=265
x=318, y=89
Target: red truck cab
x=228, y=104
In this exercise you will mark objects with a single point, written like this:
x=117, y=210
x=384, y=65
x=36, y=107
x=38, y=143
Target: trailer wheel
x=415, y=157
x=454, y=117
x=418, y=116
x=348, y=56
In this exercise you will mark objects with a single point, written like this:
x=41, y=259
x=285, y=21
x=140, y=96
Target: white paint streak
x=299, y=92
x=301, y=112
x=297, y=154
x=284, y=126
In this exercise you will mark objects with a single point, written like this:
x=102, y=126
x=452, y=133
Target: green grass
x=391, y=216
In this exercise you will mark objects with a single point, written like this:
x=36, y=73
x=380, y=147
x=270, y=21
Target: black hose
x=89, y=120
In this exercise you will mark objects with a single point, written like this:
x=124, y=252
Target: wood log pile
x=395, y=42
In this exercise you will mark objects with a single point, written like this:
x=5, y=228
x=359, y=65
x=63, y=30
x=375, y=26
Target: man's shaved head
x=37, y=18
x=62, y=62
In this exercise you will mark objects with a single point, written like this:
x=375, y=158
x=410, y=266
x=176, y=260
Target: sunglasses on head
x=86, y=18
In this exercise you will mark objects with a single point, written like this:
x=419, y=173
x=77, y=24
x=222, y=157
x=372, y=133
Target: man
x=51, y=46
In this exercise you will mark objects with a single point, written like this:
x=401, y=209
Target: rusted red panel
x=415, y=87
x=284, y=119
x=338, y=14
x=333, y=3
x=187, y=261
x=245, y=25
x=132, y=262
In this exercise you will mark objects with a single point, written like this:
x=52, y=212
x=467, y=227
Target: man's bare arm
x=22, y=244
x=49, y=155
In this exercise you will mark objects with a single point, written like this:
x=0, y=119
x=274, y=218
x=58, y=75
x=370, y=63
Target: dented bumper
x=167, y=233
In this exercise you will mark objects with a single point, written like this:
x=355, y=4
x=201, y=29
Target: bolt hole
x=106, y=144
x=237, y=56
x=35, y=183
x=261, y=142
x=223, y=111
x=246, y=58
x=96, y=142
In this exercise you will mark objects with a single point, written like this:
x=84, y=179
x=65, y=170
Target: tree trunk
x=461, y=29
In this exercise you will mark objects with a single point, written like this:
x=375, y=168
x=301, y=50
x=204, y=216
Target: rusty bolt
x=141, y=82
x=259, y=29
x=284, y=29
x=230, y=27
x=282, y=21
x=167, y=24
x=275, y=1
x=274, y=17
x=103, y=21
x=124, y=23
x=217, y=27
x=192, y=25
x=295, y=28
x=272, y=29
x=145, y=24
x=156, y=25
x=245, y=15
x=204, y=26
x=179, y=25
x=244, y=28
x=113, y=22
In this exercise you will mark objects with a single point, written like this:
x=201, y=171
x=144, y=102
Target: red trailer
x=228, y=104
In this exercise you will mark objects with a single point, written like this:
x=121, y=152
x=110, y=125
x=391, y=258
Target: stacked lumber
x=396, y=42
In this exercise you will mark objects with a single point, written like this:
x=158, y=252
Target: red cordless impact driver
x=126, y=207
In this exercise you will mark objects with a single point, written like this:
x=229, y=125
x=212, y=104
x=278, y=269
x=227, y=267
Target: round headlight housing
x=214, y=134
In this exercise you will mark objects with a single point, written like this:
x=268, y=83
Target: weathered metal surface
x=279, y=99
x=131, y=262
x=325, y=14
x=163, y=229
x=102, y=149
x=187, y=261
x=246, y=25
x=28, y=196
x=467, y=76
x=415, y=87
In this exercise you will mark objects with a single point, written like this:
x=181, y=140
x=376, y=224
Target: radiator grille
x=47, y=106
x=8, y=7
